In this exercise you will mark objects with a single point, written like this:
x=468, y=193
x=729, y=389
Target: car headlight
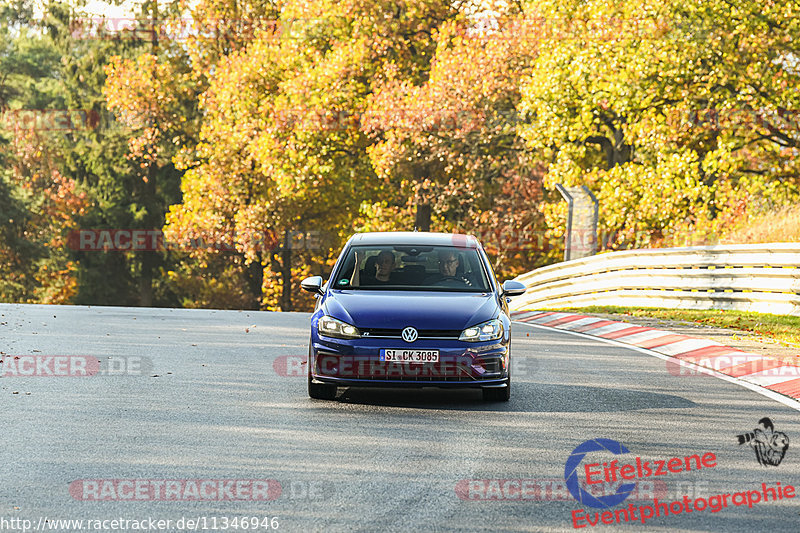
x=332, y=327
x=487, y=331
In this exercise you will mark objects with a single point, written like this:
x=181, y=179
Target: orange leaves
x=132, y=89
x=53, y=203
x=149, y=97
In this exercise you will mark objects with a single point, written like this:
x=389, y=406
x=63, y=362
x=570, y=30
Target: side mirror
x=312, y=284
x=513, y=288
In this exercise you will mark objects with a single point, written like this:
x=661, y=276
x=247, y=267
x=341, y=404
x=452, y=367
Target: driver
x=449, y=264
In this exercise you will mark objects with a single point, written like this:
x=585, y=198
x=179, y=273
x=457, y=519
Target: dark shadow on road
x=525, y=397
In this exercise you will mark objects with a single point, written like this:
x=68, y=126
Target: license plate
x=410, y=356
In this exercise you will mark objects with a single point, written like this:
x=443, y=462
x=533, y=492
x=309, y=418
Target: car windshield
x=444, y=268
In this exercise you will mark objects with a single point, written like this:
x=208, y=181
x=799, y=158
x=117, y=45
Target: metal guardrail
x=748, y=277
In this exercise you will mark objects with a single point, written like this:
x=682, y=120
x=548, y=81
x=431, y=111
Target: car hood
x=422, y=310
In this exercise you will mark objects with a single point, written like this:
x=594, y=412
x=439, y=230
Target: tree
x=280, y=149
x=616, y=92
x=37, y=200
x=110, y=162
x=452, y=141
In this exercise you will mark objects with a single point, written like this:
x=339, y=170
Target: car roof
x=403, y=238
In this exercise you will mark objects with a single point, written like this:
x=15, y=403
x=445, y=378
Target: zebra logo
x=770, y=445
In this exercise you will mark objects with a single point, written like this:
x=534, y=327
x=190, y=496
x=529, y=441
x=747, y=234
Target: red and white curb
x=686, y=353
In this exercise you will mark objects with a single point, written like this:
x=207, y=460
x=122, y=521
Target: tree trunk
x=148, y=263
x=255, y=280
x=286, y=272
x=149, y=258
x=423, y=219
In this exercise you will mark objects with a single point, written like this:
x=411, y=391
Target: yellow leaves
x=641, y=90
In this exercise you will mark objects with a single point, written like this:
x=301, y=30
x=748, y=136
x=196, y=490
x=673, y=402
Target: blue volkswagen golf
x=411, y=309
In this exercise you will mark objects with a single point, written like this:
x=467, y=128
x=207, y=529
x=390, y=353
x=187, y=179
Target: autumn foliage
x=306, y=121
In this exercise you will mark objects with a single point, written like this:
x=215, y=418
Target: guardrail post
x=580, y=237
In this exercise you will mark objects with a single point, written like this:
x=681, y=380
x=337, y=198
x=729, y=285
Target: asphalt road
x=211, y=395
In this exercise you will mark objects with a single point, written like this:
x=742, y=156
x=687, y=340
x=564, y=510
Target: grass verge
x=781, y=328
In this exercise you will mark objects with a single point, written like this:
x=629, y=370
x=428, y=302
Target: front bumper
x=356, y=363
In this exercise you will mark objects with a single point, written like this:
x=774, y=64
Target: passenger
x=368, y=274
x=384, y=267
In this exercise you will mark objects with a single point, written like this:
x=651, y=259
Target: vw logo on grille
x=410, y=334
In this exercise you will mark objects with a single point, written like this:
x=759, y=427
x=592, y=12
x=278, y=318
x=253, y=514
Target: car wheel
x=498, y=395
x=319, y=391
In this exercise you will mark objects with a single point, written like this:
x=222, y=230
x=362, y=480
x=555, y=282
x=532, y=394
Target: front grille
x=423, y=333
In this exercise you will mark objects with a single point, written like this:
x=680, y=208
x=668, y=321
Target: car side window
x=345, y=275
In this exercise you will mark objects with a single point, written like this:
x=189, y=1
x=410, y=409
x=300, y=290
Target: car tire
x=498, y=395
x=319, y=391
